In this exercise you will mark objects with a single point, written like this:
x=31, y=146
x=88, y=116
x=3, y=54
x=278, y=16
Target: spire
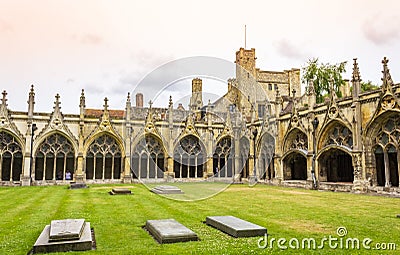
x=31, y=103
x=294, y=110
x=149, y=118
x=105, y=104
x=332, y=89
x=356, y=79
x=387, y=79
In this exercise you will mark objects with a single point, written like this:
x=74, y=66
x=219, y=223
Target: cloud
x=288, y=49
x=381, y=30
x=94, y=89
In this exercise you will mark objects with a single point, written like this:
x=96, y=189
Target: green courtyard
x=118, y=220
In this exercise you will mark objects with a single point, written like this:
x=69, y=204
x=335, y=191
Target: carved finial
x=277, y=93
x=105, y=104
x=332, y=88
x=32, y=90
x=150, y=104
x=4, y=100
x=128, y=98
x=387, y=79
x=82, y=99
x=356, y=71
x=57, y=102
x=170, y=102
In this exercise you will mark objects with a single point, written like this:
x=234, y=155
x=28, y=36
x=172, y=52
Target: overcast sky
x=108, y=47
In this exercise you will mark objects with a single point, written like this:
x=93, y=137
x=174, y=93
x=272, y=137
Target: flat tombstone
x=235, y=227
x=69, y=229
x=60, y=236
x=80, y=185
x=120, y=191
x=170, y=231
x=166, y=189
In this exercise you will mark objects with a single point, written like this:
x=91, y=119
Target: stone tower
x=196, y=100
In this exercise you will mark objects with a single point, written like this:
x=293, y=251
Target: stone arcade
x=283, y=138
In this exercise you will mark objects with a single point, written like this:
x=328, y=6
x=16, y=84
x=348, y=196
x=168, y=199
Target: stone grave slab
x=170, y=231
x=64, y=235
x=166, y=189
x=80, y=185
x=70, y=229
x=235, y=227
x=120, y=191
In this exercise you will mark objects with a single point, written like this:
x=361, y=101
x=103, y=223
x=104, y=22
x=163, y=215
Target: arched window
x=386, y=153
x=265, y=159
x=10, y=158
x=148, y=159
x=222, y=160
x=54, y=157
x=104, y=159
x=244, y=157
x=189, y=158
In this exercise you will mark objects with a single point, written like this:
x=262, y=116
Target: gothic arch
x=149, y=158
x=104, y=158
x=244, y=154
x=295, y=139
x=335, y=133
x=11, y=157
x=54, y=158
x=189, y=157
x=42, y=137
x=335, y=164
x=265, y=152
x=385, y=144
x=94, y=137
x=294, y=165
x=223, y=158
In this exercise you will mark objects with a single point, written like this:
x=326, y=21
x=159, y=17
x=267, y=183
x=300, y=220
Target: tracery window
x=148, y=159
x=189, y=158
x=54, y=157
x=265, y=160
x=10, y=157
x=104, y=159
x=244, y=154
x=340, y=135
x=222, y=160
x=300, y=142
x=386, y=153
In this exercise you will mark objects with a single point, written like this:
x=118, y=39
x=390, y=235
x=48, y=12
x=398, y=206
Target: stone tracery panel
x=148, y=159
x=10, y=158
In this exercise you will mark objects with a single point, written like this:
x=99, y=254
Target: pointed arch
x=295, y=139
x=54, y=158
x=335, y=164
x=384, y=139
x=223, y=158
x=244, y=154
x=294, y=165
x=266, y=150
x=11, y=157
x=104, y=158
x=189, y=157
x=149, y=158
x=335, y=133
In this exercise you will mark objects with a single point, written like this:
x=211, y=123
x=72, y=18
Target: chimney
x=139, y=100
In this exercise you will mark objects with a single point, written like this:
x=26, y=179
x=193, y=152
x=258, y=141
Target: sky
x=108, y=48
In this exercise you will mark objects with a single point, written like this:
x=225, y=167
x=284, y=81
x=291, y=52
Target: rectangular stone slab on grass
x=235, y=227
x=120, y=191
x=44, y=245
x=170, y=231
x=69, y=229
x=166, y=189
x=78, y=186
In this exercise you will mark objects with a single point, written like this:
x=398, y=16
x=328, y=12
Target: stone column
x=387, y=170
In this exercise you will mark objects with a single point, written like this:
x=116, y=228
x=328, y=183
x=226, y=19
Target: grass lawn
x=118, y=220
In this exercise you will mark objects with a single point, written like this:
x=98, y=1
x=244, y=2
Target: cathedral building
x=263, y=129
